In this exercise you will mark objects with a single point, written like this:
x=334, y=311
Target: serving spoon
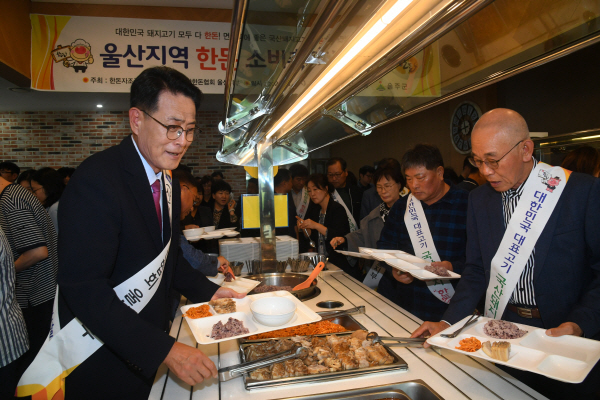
x=313, y=275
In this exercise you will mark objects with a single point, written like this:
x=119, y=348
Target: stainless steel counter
x=451, y=375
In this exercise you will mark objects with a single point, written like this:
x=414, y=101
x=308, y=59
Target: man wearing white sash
x=299, y=192
x=119, y=259
x=533, y=245
x=431, y=223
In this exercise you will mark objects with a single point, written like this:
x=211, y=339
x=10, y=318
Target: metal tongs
x=403, y=342
x=234, y=371
x=339, y=313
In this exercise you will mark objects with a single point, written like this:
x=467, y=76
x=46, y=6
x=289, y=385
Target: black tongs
x=234, y=371
x=338, y=313
x=402, y=342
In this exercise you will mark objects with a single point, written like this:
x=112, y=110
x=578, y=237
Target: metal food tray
x=347, y=321
x=249, y=384
x=411, y=390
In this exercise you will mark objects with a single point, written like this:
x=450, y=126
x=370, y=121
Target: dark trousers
x=553, y=389
x=38, y=320
x=8, y=380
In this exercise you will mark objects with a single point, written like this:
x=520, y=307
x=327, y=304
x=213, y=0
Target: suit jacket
x=356, y=196
x=109, y=230
x=370, y=200
x=336, y=222
x=567, y=256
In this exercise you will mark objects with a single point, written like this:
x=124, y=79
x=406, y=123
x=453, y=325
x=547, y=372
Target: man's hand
x=443, y=264
x=223, y=263
x=429, y=329
x=224, y=266
x=190, y=364
x=227, y=293
x=402, y=277
x=566, y=328
x=335, y=242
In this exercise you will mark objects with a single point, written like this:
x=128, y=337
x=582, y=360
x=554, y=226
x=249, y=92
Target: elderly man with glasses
x=533, y=248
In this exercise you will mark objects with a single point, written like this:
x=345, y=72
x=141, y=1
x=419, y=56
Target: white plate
x=353, y=254
x=212, y=235
x=370, y=251
x=566, y=358
x=241, y=285
x=217, y=279
x=202, y=327
x=231, y=233
x=406, y=263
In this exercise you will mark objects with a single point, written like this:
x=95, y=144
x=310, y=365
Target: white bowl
x=273, y=310
x=209, y=228
x=192, y=233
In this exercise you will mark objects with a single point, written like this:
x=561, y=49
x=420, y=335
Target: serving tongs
x=402, y=342
x=237, y=370
x=339, y=313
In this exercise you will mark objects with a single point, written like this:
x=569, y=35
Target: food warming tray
x=566, y=358
x=347, y=321
x=202, y=327
x=249, y=384
x=411, y=390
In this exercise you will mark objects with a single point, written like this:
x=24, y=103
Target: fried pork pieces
x=330, y=353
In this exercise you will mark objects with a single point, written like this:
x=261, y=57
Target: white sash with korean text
x=540, y=195
x=338, y=199
x=422, y=241
x=68, y=347
x=304, y=202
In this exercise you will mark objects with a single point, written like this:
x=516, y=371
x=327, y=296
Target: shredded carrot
x=469, y=344
x=316, y=328
x=198, y=312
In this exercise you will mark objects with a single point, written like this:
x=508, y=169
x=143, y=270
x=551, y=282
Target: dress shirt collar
x=149, y=171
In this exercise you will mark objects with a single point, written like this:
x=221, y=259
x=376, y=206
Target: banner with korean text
x=97, y=54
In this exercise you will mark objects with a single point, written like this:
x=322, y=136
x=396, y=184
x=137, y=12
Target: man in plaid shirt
x=445, y=208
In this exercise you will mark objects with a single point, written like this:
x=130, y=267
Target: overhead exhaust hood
x=348, y=67
x=304, y=74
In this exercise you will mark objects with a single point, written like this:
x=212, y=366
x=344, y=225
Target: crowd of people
x=122, y=260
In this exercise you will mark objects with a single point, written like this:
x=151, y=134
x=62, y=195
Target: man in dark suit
x=559, y=287
x=114, y=221
x=350, y=195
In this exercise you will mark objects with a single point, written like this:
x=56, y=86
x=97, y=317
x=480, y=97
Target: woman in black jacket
x=324, y=220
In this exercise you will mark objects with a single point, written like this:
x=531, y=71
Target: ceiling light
x=372, y=33
x=99, y=105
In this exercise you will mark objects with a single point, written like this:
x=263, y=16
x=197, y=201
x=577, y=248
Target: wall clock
x=463, y=119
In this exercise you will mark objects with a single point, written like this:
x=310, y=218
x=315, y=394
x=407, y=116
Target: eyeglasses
x=35, y=190
x=493, y=164
x=386, y=187
x=175, y=131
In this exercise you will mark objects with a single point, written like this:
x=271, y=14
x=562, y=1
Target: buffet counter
x=450, y=374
